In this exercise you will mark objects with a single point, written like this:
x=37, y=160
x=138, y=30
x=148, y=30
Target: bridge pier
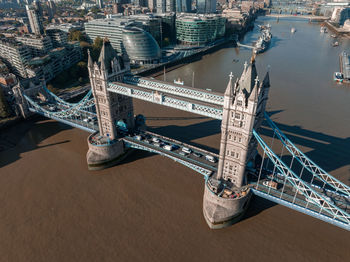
x=104, y=153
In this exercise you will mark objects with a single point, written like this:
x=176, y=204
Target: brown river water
x=149, y=208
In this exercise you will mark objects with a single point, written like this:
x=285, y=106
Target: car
x=210, y=158
x=183, y=153
x=138, y=137
x=52, y=108
x=271, y=184
x=157, y=144
x=186, y=150
x=147, y=136
x=196, y=154
x=314, y=200
x=175, y=147
x=86, y=120
x=168, y=147
x=156, y=139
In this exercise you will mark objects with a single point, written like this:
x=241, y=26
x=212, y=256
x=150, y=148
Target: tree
x=96, y=48
x=76, y=35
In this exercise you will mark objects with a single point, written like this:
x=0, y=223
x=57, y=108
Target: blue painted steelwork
x=199, y=167
x=166, y=100
x=304, y=188
x=308, y=163
x=301, y=209
x=178, y=90
x=91, y=129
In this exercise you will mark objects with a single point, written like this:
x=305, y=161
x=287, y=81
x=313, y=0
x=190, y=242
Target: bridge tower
x=112, y=110
x=244, y=106
x=110, y=107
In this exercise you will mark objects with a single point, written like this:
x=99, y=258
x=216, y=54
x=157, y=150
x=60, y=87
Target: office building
x=140, y=46
x=199, y=30
x=58, y=37
x=206, y=6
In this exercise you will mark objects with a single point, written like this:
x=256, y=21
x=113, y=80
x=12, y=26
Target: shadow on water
x=191, y=132
x=30, y=133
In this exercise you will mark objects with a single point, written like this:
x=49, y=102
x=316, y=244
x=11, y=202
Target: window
x=239, y=102
x=237, y=115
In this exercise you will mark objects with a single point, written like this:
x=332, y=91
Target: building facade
x=206, y=6
x=39, y=45
x=199, y=30
x=15, y=55
x=35, y=20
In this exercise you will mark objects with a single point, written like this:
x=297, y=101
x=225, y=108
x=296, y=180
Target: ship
x=263, y=41
x=178, y=82
x=293, y=30
x=338, y=77
x=323, y=29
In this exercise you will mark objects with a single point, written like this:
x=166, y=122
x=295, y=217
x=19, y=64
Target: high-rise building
x=206, y=6
x=51, y=9
x=35, y=20
x=99, y=3
x=183, y=6
x=38, y=7
x=161, y=6
x=165, y=6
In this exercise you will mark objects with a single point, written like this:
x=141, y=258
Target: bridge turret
x=110, y=108
x=237, y=124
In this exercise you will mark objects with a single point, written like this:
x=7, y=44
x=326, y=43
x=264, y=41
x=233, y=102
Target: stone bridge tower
x=226, y=196
x=110, y=107
x=106, y=149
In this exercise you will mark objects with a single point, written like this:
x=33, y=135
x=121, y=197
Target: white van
x=186, y=150
x=210, y=158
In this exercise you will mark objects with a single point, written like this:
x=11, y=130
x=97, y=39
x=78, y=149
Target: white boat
x=335, y=43
x=178, y=82
x=338, y=77
x=293, y=30
x=323, y=29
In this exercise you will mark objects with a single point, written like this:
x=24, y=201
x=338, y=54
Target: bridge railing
x=324, y=203
x=189, y=92
x=307, y=163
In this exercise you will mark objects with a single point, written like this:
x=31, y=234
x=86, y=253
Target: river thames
x=149, y=208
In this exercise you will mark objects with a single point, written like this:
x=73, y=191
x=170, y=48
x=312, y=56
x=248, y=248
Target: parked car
x=186, y=150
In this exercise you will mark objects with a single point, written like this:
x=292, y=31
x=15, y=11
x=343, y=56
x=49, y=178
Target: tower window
x=239, y=102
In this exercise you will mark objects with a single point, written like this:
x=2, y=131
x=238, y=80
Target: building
x=51, y=9
x=99, y=3
x=140, y=46
x=39, y=45
x=57, y=60
x=183, y=6
x=206, y=6
x=199, y=30
x=112, y=28
x=35, y=20
x=58, y=37
x=340, y=15
x=15, y=55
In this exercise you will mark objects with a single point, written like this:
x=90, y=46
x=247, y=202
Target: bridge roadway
x=178, y=101
x=197, y=163
x=310, y=17
x=81, y=119
x=176, y=89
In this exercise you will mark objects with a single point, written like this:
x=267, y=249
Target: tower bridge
x=230, y=177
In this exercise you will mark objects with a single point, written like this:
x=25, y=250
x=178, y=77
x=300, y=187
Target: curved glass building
x=199, y=29
x=141, y=47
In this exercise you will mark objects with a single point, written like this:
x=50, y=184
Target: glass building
x=206, y=6
x=198, y=30
x=141, y=47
